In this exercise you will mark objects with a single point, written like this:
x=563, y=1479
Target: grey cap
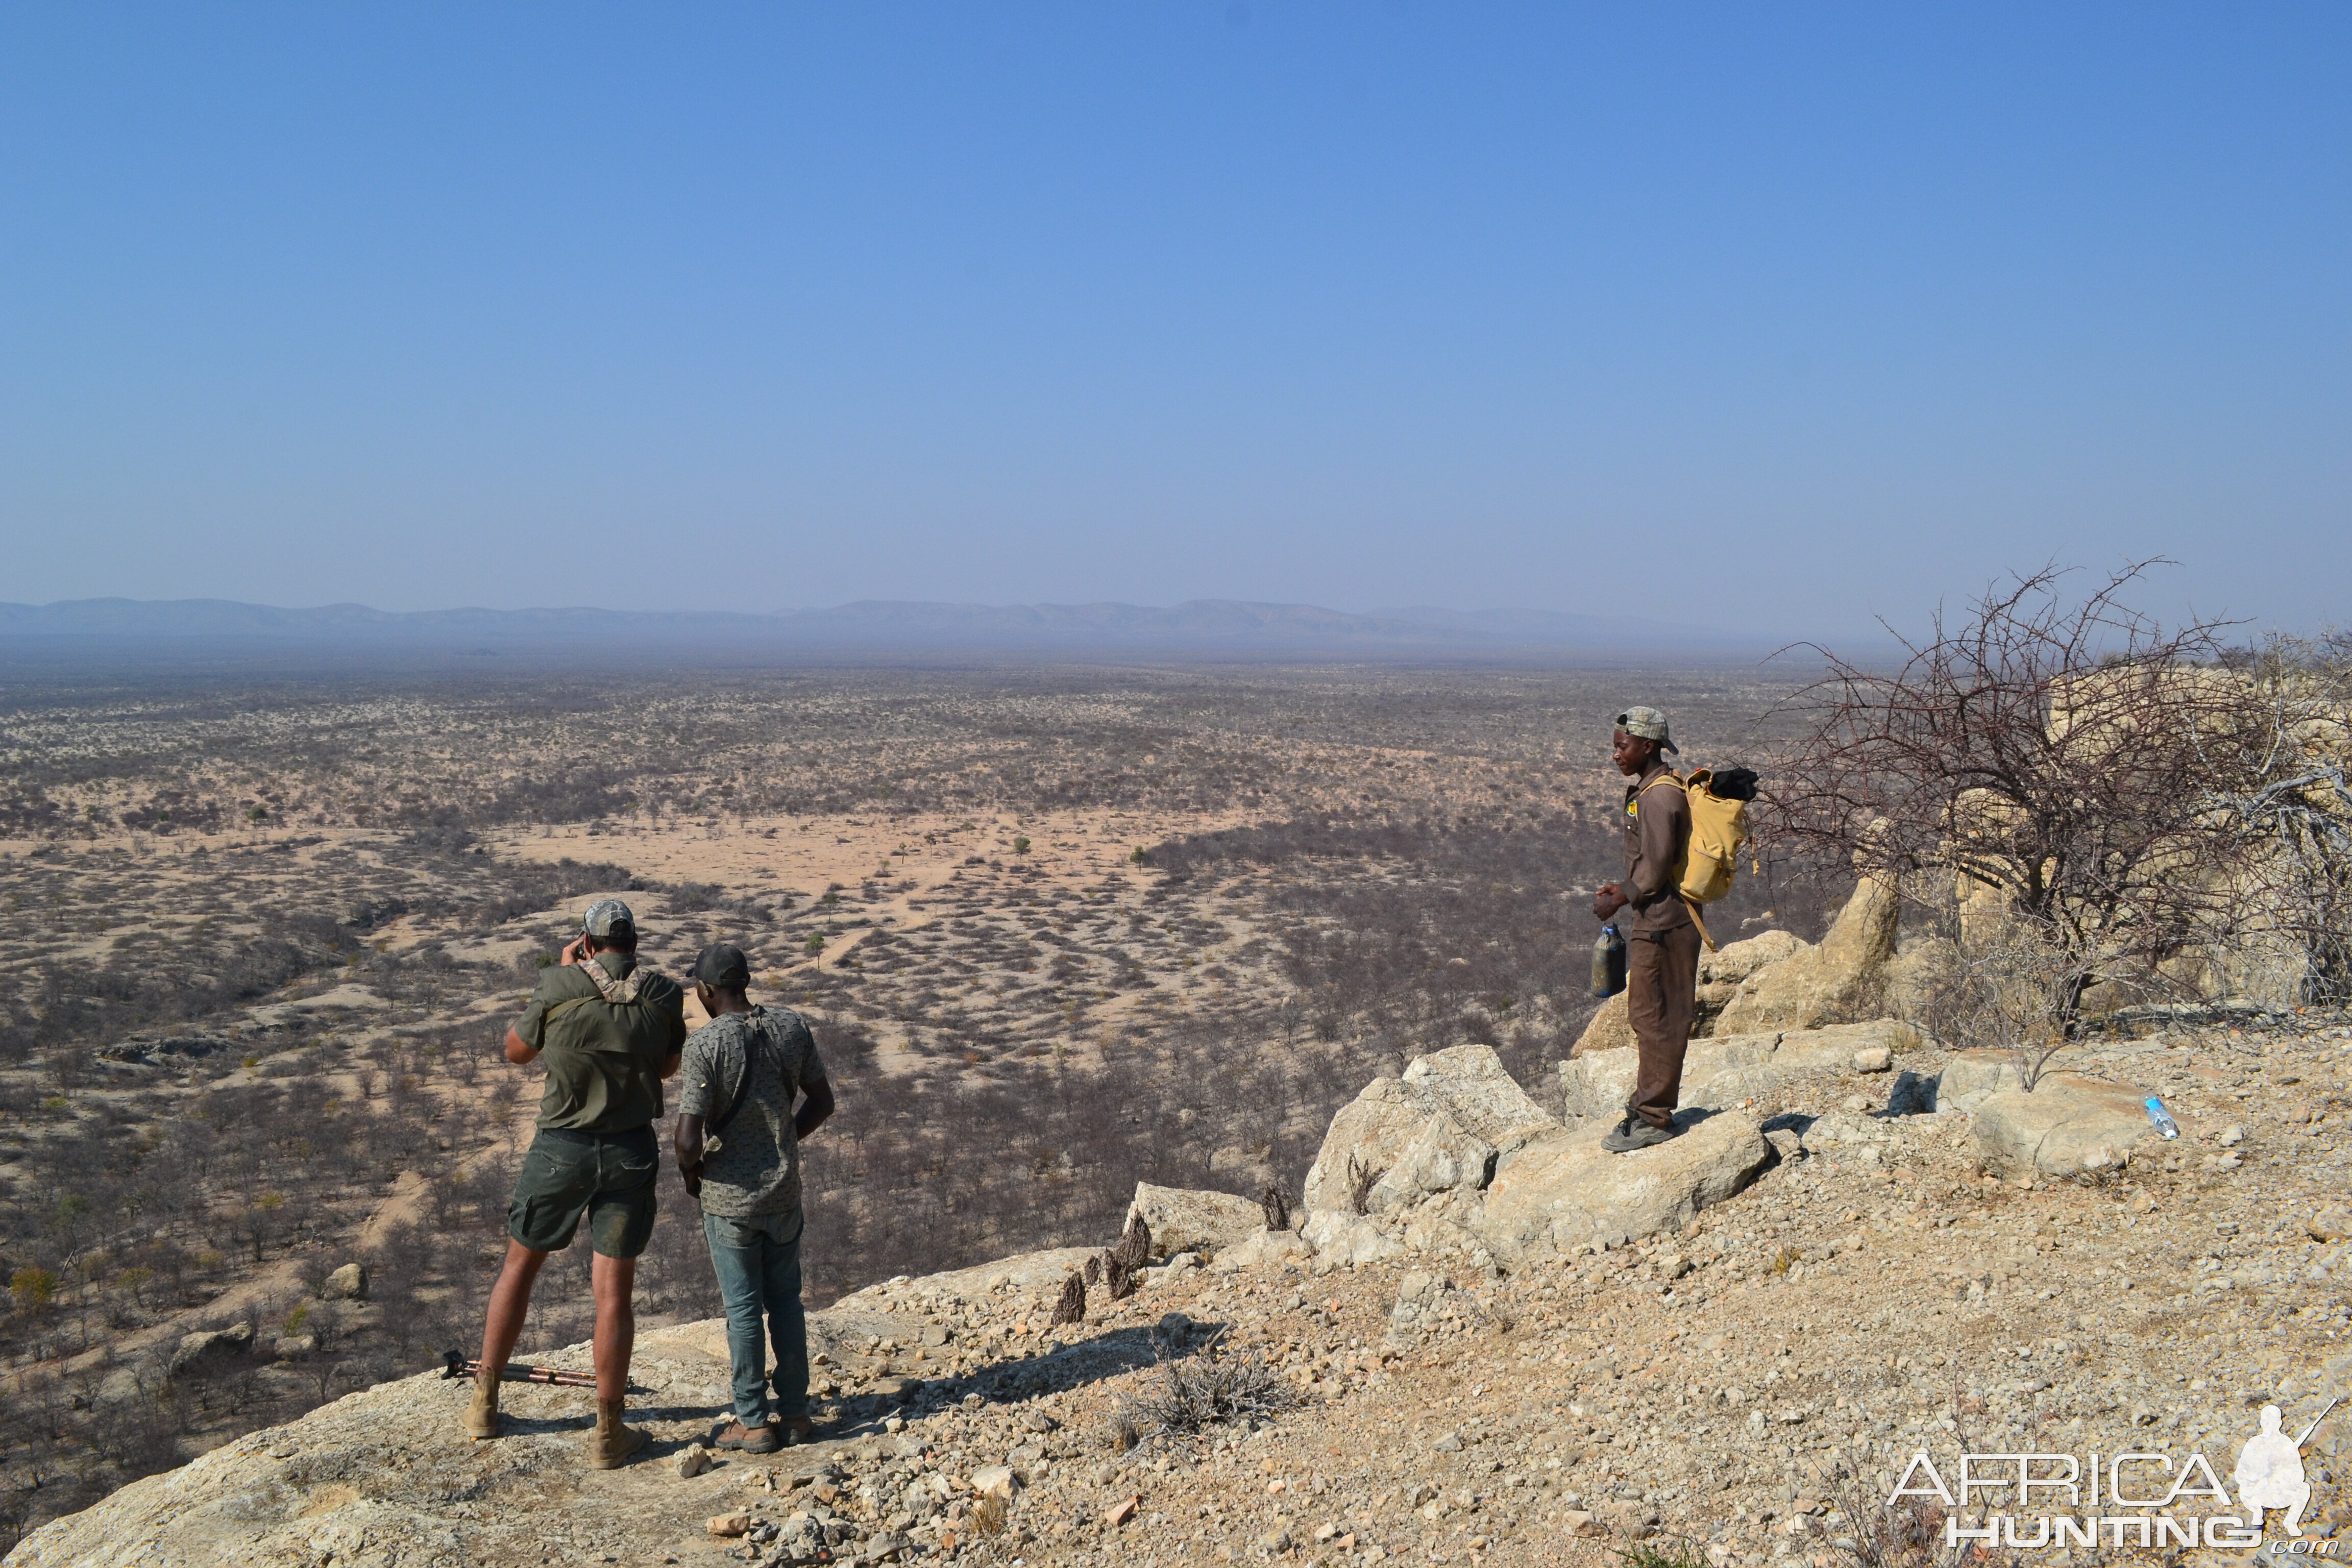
x=604, y=915
x=1648, y=723
x=722, y=967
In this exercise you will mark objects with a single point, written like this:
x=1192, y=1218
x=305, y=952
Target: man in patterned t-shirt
x=738, y=1149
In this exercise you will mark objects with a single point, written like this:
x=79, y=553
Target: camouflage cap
x=1649, y=723
x=604, y=915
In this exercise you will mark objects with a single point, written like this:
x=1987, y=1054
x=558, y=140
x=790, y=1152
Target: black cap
x=722, y=967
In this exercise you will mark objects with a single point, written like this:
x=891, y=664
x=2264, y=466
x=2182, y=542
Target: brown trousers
x=1661, y=999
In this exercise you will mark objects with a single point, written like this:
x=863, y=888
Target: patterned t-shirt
x=756, y=1167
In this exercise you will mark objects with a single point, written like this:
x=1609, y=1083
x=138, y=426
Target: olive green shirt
x=603, y=1059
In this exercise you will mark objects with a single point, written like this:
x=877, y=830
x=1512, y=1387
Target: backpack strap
x=1669, y=776
x=1699, y=921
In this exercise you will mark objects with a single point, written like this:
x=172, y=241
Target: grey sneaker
x=1628, y=1136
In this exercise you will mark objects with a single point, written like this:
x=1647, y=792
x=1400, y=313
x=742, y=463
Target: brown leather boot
x=610, y=1446
x=482, y=1415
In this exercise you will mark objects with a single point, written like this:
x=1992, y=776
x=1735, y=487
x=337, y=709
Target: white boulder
x=2068, y=1127
x=1188, y=1220
x=1565, y=1191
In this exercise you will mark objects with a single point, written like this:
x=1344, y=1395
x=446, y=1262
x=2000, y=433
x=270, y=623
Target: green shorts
x=607, y=1177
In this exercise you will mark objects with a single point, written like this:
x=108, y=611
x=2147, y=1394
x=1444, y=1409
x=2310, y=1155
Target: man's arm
x=816, y=1104
x=687, y=1143
x=527, y=1035
x=677, y=1038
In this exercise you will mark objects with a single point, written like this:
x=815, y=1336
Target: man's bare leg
x=613, y=1281
x=509, y=1305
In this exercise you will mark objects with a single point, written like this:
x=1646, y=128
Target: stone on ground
x=2068, y=1126
x=1565, y=1191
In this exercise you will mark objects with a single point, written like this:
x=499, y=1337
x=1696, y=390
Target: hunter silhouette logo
x=2270, y=1472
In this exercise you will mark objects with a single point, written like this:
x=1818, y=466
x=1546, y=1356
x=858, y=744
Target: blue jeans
x=758, y=1261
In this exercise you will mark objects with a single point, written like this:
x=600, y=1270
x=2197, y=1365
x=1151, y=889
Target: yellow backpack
x=1718, y=831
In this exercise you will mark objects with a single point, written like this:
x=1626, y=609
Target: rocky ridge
x=1506, y=1346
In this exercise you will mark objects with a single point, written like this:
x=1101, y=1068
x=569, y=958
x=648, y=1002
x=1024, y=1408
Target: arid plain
x=1059, y=930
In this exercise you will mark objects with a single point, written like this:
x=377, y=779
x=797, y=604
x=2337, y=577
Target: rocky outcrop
x=1971, y=1078
x=1610, y=1029
x=1722, y=1073
x=385, y=1479
x=1266, y=1249
x=1817, y=985
x=2068, y=1126
x=1185, y=1219
x=1454, y=1160
x=1776, y=980
x=210, y=1347
x=1437, y=1130
x=958, y=1423
x=1722, y=973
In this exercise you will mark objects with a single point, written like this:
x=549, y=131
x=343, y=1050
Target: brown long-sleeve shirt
x=1657, y=844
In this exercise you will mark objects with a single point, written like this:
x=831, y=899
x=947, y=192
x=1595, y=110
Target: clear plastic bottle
x=2161, y=1119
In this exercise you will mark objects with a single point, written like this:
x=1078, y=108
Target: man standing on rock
x=609, y=1031
x=738, y=1144
x=1662, y=940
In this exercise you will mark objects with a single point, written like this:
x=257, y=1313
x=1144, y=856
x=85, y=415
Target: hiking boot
x=794, y=1429
x=611, y=1443
x=1628, y=1136
x=761, y=1440
x=482, y=1415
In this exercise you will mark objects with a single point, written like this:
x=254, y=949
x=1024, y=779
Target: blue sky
x=1854, y=306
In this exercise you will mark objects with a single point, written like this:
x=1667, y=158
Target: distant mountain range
x=1197, y=627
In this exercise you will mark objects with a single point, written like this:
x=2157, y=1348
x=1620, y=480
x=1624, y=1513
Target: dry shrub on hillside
x=2110, y=785
x=1185, y=1394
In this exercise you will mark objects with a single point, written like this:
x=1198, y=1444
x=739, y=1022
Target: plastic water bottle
x=1608, y=962
x=2161, y=1119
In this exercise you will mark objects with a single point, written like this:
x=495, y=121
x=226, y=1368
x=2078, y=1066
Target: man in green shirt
x=609, y=1032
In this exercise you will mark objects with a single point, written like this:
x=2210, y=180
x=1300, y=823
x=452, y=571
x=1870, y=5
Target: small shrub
x=1200, y=1391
